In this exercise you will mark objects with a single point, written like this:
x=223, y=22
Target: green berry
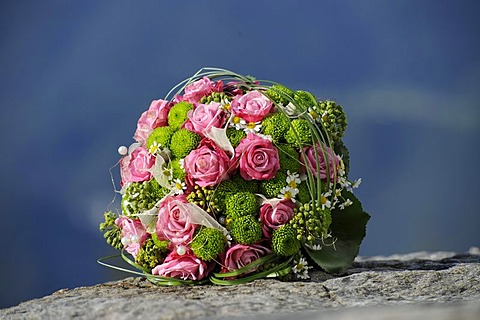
x=241, y=204
x=285, y=241
x=299, y=133
x=246, y=230
x=208, y=244
x=183, y=142
x=151, y=255
x=160, y=137
x=178, y=114
x=141, y=196
x=333, y=119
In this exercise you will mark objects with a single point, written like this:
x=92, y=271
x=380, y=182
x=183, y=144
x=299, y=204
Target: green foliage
x=299, y=133
x=241, y=204
x=235, y=136
x=276, y=125
x=111, y=232
x=271, y=188
x=151, y=255
x=208, y=243
x=333, y=118
x=141, y=196
x=284, y=241
x=161, y=136
x=348, y=230
x=183, y=142
x=178, y=114
x=289, y=158
x=246, y=230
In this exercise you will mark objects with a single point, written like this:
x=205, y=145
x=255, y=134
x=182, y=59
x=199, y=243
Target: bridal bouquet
x=231, y=179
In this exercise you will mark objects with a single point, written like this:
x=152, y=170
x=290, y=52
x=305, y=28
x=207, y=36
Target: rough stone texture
x=439, y=285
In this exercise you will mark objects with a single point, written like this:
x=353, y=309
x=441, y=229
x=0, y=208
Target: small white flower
x=252, y=127
x=347, y=203
x=312, y=113
x=301, y=268
x=325, y=201
x=293, y=179
x=180, y=162
x=357, y=183
x=154, y=147
x=288, y=193
x=178, y=186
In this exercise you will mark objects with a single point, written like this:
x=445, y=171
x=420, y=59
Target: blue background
x=76, y=75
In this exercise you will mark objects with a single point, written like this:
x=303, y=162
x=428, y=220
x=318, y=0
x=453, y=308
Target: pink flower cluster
x=256, y=157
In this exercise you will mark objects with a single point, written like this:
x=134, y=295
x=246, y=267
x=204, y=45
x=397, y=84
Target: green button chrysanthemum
x=299, y=133
x=178, y=114
x=284, y=241
x=208, y=244
x=246, y=230
x=183, y=142
x=241, y=204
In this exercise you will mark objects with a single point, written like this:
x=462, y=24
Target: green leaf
x=348, y=228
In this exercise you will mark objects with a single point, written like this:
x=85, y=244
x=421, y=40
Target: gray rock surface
x=439, y=285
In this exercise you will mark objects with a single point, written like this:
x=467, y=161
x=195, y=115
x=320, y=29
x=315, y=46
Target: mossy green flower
x=289, y=158
x=208, y=243
x=183, y=142
x=159, y=138
x=299, y=133
x=246, y=230
x=280, y=94
x=241, y=204
x=284, y=241
x=276, y=125
x=235, y=136
x=271, y=188
x=178, y=114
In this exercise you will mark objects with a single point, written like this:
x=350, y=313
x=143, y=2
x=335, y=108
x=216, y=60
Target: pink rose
x=186, y=266
x=273, y=216
x=133, y=234
x=135, y=166
x=207, y=165
x=155, y=116
x=205, y=116
x=252, y=107
x=240, y=255
x=321, y=166
x=173, y=222
x=258, y=158
x=200, y=88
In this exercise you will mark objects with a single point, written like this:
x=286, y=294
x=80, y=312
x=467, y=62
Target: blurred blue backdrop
x=76, y=75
